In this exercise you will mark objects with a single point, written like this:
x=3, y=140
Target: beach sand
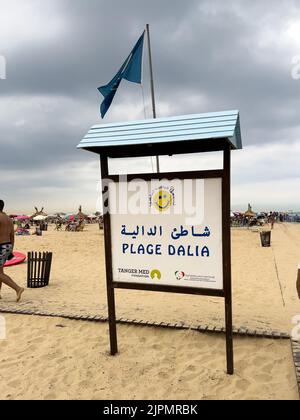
x=62, y=359
x=40, y=360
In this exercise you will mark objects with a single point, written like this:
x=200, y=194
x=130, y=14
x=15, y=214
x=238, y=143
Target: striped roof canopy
x=173, y=135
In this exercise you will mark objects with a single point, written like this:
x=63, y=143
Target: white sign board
x=167, y=233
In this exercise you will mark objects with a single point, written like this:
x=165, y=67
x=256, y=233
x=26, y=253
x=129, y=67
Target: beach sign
x=173, y=237
x=168, y=232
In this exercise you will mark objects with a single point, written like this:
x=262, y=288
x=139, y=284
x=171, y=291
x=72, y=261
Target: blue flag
x=131, y=71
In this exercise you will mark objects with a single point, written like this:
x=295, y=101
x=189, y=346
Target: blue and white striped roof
x=210, y=126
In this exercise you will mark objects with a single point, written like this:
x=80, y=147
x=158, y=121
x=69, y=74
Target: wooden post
x=227, y=258
x=108, y=262
x=298, y=281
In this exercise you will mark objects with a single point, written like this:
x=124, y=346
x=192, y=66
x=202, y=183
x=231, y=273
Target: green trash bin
x=265, y=238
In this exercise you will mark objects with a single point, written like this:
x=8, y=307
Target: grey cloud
x=208, y=56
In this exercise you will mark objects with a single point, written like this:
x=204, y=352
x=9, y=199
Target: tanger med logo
x=155, y=275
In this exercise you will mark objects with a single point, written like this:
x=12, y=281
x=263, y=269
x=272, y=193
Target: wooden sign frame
x=226, y=292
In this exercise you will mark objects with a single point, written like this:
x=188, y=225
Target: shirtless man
x=7, y=240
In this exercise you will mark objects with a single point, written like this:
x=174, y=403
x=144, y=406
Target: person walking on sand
x=272, y=220
x=7, y=240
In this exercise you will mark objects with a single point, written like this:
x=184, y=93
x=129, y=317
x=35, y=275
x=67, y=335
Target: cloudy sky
x=209, y=55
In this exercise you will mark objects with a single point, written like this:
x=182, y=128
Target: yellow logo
x=163, y=199
x=155, y=274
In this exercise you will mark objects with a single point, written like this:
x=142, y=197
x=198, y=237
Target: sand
x=78, y=282
x=60, y=359
x=187, y=364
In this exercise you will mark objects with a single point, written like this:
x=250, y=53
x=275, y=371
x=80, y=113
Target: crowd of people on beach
x=76, y=224
x=25, y=228
x=263, y=218
x=72, y=223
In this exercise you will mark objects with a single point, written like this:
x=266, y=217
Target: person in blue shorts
x=7, y=240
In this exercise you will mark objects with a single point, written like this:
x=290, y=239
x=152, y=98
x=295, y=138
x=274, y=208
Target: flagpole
x=152, y=86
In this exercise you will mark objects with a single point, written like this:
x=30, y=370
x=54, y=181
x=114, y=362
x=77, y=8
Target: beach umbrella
x=70, y=217
x=250, y=212
x=22, y=218
x=39, y=218
x=81, y=215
